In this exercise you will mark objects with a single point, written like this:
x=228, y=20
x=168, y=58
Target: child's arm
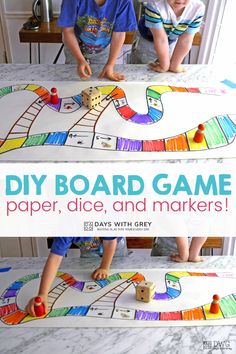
x=109, y=247
x=69, y=38
x=162, y=49
x=117, y=42
x=182, y=48
x=48, y=275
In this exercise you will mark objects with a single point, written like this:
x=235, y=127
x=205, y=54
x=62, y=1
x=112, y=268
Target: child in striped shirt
x=166, y=33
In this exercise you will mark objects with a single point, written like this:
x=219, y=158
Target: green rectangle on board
x=213, y=134
x=5, y=90
x=228, y=306
x=114, y=277
x=29, y=277
x=153, y=94
x=171, y=277
x=59, y=312
x=35, y=140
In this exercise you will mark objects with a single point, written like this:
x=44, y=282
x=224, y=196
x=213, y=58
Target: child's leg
x=100, y=58
x=183, y=250
x=195, y=248
x=164, y=246
x=142, y=51
x=69, y=58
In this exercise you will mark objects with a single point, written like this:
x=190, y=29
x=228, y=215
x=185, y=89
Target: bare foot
x=177, y=258
x=196, y=259
x=179, y=69
x=156, y=67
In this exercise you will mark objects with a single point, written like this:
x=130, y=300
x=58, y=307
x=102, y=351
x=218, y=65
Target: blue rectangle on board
x=229, y=83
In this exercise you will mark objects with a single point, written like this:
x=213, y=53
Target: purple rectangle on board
x=10, y=293
x=129, y=145
x=146, y=315
x=141, y=119
x=79, y=285
x=163, y=296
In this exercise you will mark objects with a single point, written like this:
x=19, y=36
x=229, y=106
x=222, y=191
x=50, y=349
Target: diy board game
x=181, y=298
x=134, y=121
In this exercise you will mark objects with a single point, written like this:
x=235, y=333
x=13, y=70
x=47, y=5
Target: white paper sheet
x=135, y=121
x=182, y=298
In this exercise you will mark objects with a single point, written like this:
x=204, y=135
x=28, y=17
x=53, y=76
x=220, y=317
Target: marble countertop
x=171, y=340
x=197, y=74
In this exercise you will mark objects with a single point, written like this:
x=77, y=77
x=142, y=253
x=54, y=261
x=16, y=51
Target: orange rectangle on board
x=178, y=143
x=117, y=93
x=178, y=89
x=41, y=91
x=14, y=318
x=194, y=314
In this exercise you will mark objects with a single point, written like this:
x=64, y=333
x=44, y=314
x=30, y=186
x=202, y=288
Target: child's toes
x=177, y=258
x=196, y=259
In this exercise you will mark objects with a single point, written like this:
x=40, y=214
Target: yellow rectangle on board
x=209, y=315
x=127, y=275
x=106, y=90
x=32, y=87
x=60, y=273
x=30, y=318
x=195, y=146
x=12, y=144
x=160, y=89
x=179, y=274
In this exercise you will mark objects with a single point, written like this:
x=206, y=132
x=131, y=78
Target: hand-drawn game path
x=105, y=305
x=220, y=130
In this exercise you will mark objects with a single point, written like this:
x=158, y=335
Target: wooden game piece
x=199, y=135
x=39, y=308
x=145, y=291
x=215, y=306
x=54, y=96
x=91, y=97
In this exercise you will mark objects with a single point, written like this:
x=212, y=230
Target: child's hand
x=100, y=273
x=110, y=74
x=84, y=70
x=30, y=306
x=156, y=67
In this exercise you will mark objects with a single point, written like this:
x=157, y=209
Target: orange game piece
x=199, y=135
x=215, y=306
x=54, y=97
x=39, y=308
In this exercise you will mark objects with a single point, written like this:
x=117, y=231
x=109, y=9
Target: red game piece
x=39, y=308
x=215, y=306
x=54, y=97
x=199, y=135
